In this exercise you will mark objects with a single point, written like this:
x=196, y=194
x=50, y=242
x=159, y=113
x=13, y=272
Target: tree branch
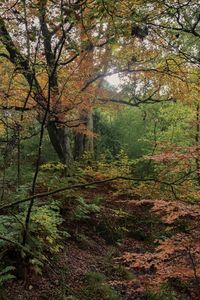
x=77, y=186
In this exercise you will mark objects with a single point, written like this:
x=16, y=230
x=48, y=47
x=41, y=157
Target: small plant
x=98, y=200
x=43, y=234
x=53, y=166
x=44, y=226
x=112, y=225
x=96, y=288
x=10, y=228
x=94, y=278
x=81, y=237
x=6, y=275
x=83, y=209
x=165, y=293
x=123, y=272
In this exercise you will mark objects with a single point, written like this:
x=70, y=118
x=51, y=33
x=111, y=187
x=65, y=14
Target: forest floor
x=129, y=249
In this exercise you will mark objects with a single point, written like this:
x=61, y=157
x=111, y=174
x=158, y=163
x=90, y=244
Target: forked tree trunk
x=59, y=137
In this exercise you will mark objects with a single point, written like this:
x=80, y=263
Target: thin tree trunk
x=197, y=140
x=89, y=140
x=18, y=158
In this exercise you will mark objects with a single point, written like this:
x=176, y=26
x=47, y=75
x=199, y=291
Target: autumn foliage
x=174, y=258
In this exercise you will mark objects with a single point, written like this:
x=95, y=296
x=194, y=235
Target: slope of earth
x=119, y=248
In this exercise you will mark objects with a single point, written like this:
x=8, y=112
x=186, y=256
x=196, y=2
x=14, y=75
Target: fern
x=43, y=232
x=6, y=275
x=83, y=209
x=11, y=228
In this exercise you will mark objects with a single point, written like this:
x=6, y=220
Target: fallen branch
x=77, y=186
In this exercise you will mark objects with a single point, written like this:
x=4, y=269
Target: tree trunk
x=197, y=140
x=89, y=140
x=78, y=145
x=59, y=137
x=83, y=142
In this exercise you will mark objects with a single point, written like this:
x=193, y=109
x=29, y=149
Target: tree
x=49, y=50
x=62, y=55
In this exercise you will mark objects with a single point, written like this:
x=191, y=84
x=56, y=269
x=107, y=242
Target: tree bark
x=83, y=142
x=59, y=137
x=197, y=140
x=78, y=145
x=89, y=140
